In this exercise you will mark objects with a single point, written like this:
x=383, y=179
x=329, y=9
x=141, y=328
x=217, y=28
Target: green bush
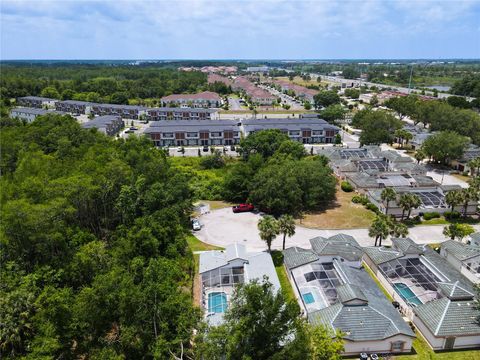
x=360, y=199
x=451, y=215
x=372, y=207
x=431, y=215
x=346, y=186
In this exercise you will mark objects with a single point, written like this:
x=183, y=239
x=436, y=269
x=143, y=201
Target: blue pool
x=308, y=298
x=217, y=302
x=406, y=294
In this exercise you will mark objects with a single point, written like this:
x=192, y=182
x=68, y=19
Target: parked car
x=232, y=148
x=243, y=208
x=133, y=128
x=205, y=148
x=196, y=225
x=363, y=356
x=374, y=356
x=179, y=149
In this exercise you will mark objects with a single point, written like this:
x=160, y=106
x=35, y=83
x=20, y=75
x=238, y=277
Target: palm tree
x=458, y=231
x=420, y=155
x=415, y=203
x=453, y=198
x=474, y=166
x=404, y=203
x=379, y=229
x=467, y=195
x=388, y=194
x=398, y=229
x=286, y=224
x=268, y=229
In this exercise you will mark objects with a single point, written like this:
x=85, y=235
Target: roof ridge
x=443, y=316
x=390, y=320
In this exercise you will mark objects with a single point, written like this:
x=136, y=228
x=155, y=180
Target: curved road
x=222, y=227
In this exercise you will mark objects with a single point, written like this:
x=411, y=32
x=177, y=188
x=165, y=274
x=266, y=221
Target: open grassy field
x=342, y=214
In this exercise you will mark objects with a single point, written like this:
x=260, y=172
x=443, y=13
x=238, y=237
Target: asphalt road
x=222, y=227
x=234, y=104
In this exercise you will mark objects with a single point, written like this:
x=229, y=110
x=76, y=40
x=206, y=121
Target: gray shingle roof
x=445, y=317
x=286, y=123
x=349, y=292
x=455, y=291
x=380, y=255
x=407, y=246
x=340, y=244
x=375, y=320
x=191, y=125
x=459, y=250
x=296, y=256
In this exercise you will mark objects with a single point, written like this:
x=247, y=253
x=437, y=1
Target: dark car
x=205, y=148
x=242, y=208
x=363, y=356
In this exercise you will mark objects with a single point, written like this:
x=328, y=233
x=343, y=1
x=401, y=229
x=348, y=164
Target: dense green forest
x=98, y=83
x=93, y=254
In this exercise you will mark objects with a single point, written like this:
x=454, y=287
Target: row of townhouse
x=108, y=124
x=36, y=102
x=76, y=107
x=300, y=91
x=213, y=78
x=205, y=99
x=257, y=95
x=30, y=114
x=228, y=132
x=193, y=132
x=136, y=112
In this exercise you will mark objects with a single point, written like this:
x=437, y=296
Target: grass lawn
x=197, y=245
x=424, y=352
x=343, y=214
x=287, y=290
x=216, y=204
x=462, y=177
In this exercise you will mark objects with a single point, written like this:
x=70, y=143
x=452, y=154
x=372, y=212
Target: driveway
x=222, y=227
x=234, y=104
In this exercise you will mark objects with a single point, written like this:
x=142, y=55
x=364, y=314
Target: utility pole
x=410, y=80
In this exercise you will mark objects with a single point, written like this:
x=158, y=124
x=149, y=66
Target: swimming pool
x=406, y=294
x=217, y=302
x=308, y=298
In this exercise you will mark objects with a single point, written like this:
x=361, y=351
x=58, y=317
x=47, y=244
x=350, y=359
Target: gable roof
x=210, y=260
x=445, y=317
x=295, y=256
x=455, y=291
x=348, y=292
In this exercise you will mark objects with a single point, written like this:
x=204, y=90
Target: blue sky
x=230, y=29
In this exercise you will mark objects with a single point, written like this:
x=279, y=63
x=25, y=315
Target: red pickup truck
x=242, y=208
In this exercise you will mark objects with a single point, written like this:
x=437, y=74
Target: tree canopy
x=93, y=254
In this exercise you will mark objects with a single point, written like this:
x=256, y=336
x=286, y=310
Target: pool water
x=217, y=302
x=406, y=294
x=308, y=298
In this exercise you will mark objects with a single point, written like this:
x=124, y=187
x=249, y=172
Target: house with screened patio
x=436, y=297
x=334, y=290
x=222, y=270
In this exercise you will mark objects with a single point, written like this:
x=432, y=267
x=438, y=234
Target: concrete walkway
x=222, y=227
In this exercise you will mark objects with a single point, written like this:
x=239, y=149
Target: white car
x=196, y=225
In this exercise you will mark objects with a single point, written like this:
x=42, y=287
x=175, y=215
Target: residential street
x=222, y=227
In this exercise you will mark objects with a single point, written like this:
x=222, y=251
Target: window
x=317, y=132
x=397, y=346
x=215, y=134
x=192, y=134
x=294, y=133
x=167, y=135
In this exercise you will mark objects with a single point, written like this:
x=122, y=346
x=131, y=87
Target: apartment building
x=192, y=132
x=213, y=78
x=125, y=111
x=74, y=107
x=301, y=91
x=304, y=130
x=167, y=113
x=205, y=99
x=36, y=102
x=108, y=124
x=257, y=95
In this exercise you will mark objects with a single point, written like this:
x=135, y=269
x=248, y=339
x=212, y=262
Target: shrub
x=372, y=207
x=431, y=215
x=346, y=186
x=360, y=199
x=451, y=215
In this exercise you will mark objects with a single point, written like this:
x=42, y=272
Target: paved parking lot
x=222, y=227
